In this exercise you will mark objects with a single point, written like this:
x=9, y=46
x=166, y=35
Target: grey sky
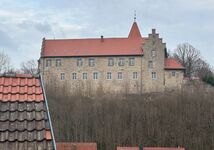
x=24, y=23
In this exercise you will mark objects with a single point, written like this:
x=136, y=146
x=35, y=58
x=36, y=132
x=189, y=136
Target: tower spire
x=135, y=16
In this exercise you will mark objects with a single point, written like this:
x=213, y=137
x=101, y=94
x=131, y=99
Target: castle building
x=132, y=64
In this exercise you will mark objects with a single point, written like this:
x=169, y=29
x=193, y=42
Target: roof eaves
x=93, y=55
x=171, y=68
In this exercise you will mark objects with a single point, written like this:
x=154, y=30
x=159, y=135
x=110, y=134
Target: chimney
x=102, y=38
x=153, y=31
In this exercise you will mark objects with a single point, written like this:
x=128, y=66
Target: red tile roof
x=20, y=88
x=95, y=47
x=150, y=148
x=163, y=148
x=24, y=123
x=127, y=148
x=76, y=146
x=172, y=63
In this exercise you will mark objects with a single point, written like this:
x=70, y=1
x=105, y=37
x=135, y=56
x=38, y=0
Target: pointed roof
x=134, y=32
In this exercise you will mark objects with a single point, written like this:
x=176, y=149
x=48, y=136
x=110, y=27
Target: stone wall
x=69, y=66
x=174, y=79
x=157, y=57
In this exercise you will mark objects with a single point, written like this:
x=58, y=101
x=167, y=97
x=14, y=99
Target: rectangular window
x=109, y=75
x=62, y=76
x=84, y=76
x=135, y=75
x=131, y=61
x=150, y=64
x=58, y=62
x=120, y=75
x=153, y=53
x=48, y=62
x=110, y=61
x=95, y=75
x=91, y=62
x=154, y=75
x=79, y=62
x=173, y=73
x=74, y=76
x=121, y=62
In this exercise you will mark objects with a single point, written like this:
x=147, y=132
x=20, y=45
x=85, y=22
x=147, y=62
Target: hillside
x=184, y=118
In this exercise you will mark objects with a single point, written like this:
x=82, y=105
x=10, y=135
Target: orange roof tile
x=95, y=47
x=163, y=148
x=20, y=88
x=150, y=148
x=127, y=148
x=48, y=135
x=76, y=146
x=172, y=63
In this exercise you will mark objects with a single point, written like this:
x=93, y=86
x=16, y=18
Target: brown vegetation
x=184, y=118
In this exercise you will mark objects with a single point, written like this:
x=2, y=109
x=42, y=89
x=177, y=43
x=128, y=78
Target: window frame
x=58, y=62
x=109, y=61
x=150, y=64
x=135, y=75
x=84, y=75
x=131, y=61
x=79, y=62
x=74, y=76
x=121, y=61
x=95, y=74
x=154, y=75
x=109, y=74
x=48, y=63
x=153, y=53
x=91, y=62
x=62, y=76
x=120, y=76
x=173, y=73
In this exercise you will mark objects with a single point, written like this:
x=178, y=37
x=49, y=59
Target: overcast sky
x=23, y=23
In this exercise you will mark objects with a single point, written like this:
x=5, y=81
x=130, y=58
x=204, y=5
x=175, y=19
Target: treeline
x=183, y=118
x=27, y=67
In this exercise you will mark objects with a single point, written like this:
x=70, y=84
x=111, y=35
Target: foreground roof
x=24, y=123
x=172, y=63
x=130, y=45
x=76, y=146
x=150, y=148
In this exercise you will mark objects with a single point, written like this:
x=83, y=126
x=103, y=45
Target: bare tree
x=189, y=57
x=204, y=69
x=5, y=64
x=29, y=67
